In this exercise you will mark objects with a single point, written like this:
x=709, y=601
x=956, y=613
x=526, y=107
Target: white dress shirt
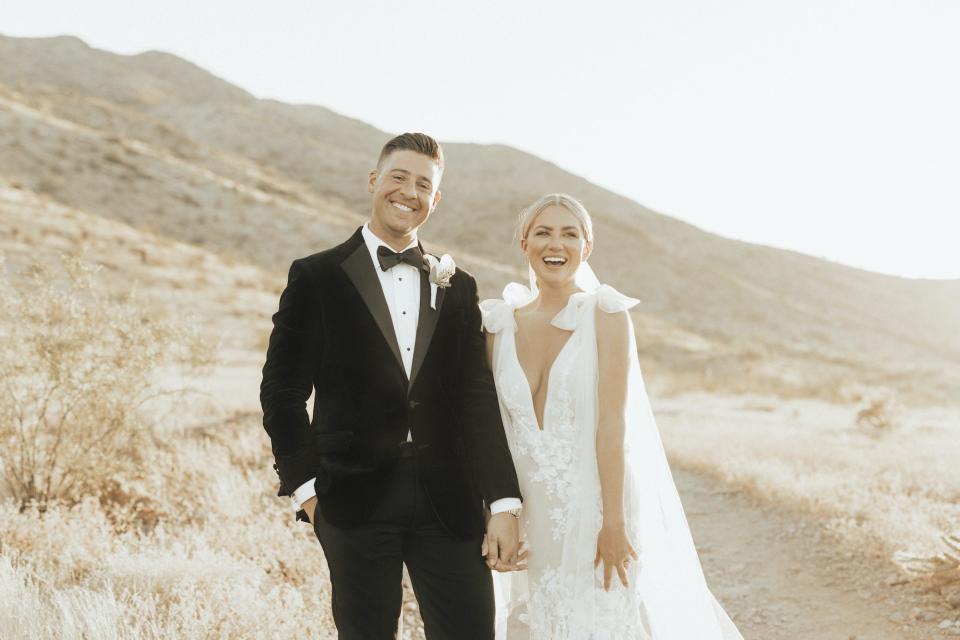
x=401, y=288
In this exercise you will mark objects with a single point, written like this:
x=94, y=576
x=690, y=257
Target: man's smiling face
x=405, y=189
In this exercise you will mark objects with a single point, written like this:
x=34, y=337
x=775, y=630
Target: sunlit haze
x=824, y=126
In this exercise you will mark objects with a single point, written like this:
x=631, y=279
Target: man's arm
x=503, y=504
x=287, y=381
x=485, y=440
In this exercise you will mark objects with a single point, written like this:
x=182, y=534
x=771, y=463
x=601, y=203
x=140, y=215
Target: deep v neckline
x=547, y=383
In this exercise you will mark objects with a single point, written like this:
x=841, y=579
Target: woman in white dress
x=610, y=554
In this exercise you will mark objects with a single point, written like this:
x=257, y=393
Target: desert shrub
x=877, y=414
x=941, y=570
x=76, y=370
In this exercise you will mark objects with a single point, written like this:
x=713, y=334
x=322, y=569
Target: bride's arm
x=613, y=365
x=613, y=362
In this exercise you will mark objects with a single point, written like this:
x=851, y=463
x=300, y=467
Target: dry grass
x=892, y=488
x=940, y=569
x=192, y=545
x=116, y=523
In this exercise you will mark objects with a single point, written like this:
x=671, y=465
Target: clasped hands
x=503, y=551
x=501, y=544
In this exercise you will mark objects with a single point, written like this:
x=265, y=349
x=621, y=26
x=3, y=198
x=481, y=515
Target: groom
x=406, y=446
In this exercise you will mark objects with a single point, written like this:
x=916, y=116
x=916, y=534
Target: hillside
x=156, y=142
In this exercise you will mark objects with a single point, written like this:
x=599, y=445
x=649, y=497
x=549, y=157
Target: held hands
x=501, y=544
x=616, y=552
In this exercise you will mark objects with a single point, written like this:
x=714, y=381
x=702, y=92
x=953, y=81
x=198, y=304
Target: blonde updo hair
x=571, y=204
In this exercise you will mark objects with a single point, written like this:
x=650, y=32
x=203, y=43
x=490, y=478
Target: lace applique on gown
x=561, y=594
x=545, y=463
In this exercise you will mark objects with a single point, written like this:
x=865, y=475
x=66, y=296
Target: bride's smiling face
x=555, y=245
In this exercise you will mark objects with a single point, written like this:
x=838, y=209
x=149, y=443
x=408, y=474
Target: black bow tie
x=389, y=259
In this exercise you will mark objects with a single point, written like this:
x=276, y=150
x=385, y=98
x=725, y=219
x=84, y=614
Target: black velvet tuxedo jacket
x=333, y=332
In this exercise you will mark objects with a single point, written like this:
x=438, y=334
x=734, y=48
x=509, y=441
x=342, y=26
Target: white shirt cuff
x=504, y=504
x=306, y=491
x=303, y=493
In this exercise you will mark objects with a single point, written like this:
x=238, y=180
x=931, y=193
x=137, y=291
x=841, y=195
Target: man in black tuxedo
x=406, y=447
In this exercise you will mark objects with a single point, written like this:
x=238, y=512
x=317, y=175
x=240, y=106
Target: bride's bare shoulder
x=613, y=329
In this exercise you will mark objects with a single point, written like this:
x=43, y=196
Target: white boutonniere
x=440, y=273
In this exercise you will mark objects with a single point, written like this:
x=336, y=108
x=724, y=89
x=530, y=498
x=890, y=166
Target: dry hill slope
x=159, y=143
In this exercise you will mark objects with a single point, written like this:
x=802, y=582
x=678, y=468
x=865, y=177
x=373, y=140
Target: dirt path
x=782, y=577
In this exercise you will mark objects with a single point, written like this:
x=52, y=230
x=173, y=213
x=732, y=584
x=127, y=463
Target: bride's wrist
x=613, y=523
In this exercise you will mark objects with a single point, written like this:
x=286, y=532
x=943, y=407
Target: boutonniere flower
x=441, y=270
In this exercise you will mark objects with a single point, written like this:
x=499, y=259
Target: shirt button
x=408, y=348
x=404, y=312
x=401, y=279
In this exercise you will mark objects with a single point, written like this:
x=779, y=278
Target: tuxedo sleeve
x=485, y=440
x=287, y=381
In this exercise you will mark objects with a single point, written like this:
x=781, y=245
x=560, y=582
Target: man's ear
x=371, y=183
x=436, y=200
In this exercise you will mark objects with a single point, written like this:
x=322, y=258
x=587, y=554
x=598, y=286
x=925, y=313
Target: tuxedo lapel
x=426, y=324
x=359, y=268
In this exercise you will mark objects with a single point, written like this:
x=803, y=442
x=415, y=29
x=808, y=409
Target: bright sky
x=825, y=126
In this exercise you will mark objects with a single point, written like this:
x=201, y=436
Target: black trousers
x=450, y=578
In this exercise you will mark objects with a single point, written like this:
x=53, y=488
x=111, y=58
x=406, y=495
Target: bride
x=610, y=554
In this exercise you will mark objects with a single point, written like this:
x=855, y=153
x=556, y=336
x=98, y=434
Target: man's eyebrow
x=405, y=172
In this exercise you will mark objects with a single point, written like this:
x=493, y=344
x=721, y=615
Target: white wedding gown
x=560, y=596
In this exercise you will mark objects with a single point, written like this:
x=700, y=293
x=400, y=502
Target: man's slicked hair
x=417, y=142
